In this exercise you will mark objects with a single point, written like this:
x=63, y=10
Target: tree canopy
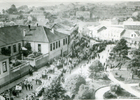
x=121, y=48
x=55, y=91
x=12, y=9
x=85, y=92
x=95, y=67
x=73, y=83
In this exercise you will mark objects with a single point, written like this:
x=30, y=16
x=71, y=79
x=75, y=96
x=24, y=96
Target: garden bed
x=125, y=76
x=121, y=95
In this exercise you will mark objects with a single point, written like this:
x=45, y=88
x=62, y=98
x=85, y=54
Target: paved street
x=32, y=80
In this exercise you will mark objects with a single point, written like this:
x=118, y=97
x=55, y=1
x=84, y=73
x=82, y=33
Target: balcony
x=18, y=64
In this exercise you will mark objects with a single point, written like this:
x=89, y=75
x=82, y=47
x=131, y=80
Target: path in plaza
x=124, y=86
x=100, y=93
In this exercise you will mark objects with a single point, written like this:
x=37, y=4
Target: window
x=66, y=41
x=39, y=47
x=63, y=41
x=59, y=43
x=56, y=45
x=53, y=46
x=50, y=47
x=3, y=50
x=9, y=49
x=14, y=48
x=19, y=46
x=4, y=66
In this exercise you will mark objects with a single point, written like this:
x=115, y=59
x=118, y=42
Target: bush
x=115, y=88
x=105, y=77
x=73, y=83
x=109, y=95
x=85, y=92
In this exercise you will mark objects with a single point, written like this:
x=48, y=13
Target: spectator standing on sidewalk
x=31, y=86
x=28, y=85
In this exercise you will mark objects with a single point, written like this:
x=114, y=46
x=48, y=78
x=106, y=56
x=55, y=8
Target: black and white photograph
x=69, y=49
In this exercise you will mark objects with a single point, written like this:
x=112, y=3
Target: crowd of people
x=68, y=64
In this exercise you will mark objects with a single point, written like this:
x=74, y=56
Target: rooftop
x=43, y=34
x=10, y=34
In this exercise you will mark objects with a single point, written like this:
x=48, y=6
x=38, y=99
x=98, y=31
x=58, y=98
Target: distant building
x=12, y=16
x=132, y=25
x=84, y=14
x=112, y=33
x=29, y=18
x=1, y=24
x=19, y=22
x=94, y=32
x=36, y=13
x=39, y=18
x=132, y=37
x=106, y=22
x=42, y=22
x=11, y=23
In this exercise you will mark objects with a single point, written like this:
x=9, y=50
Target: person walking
x=25, y=84
x=31, y=86
x=28, y=85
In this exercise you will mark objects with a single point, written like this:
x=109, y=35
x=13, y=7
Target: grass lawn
x=98, y=83
x=125, y=76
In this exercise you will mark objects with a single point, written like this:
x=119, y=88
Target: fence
x=38, y=61
x=14, y=69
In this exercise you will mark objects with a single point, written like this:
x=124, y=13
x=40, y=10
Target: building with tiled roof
x=47, y=40
x=11, y=38
x=112, y=33
x=94, y=32
x=132, y=37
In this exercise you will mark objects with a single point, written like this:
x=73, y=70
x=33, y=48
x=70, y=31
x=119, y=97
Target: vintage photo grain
x=69, y=50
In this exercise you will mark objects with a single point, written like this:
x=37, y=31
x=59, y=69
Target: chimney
x=52, y=30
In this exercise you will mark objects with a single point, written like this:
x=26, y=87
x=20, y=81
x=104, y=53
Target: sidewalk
x=99, y=95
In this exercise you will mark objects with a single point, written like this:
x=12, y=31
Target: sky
x=5, y=4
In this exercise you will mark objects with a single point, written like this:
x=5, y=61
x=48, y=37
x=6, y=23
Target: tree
x=73, y=83
x=135, y=61
x=55, y=91
x=95, y=67
x=85, y=93
x=34, y=18
x=136, y=15
x=12, y=9
x=3, y=11
x=42, y=8
x=121, y=48
x=82, y=8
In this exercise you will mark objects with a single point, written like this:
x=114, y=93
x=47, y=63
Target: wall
x=3, y=74
x=57, y=52
x=44, y=47
x=14, y=75
x=43, y=61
